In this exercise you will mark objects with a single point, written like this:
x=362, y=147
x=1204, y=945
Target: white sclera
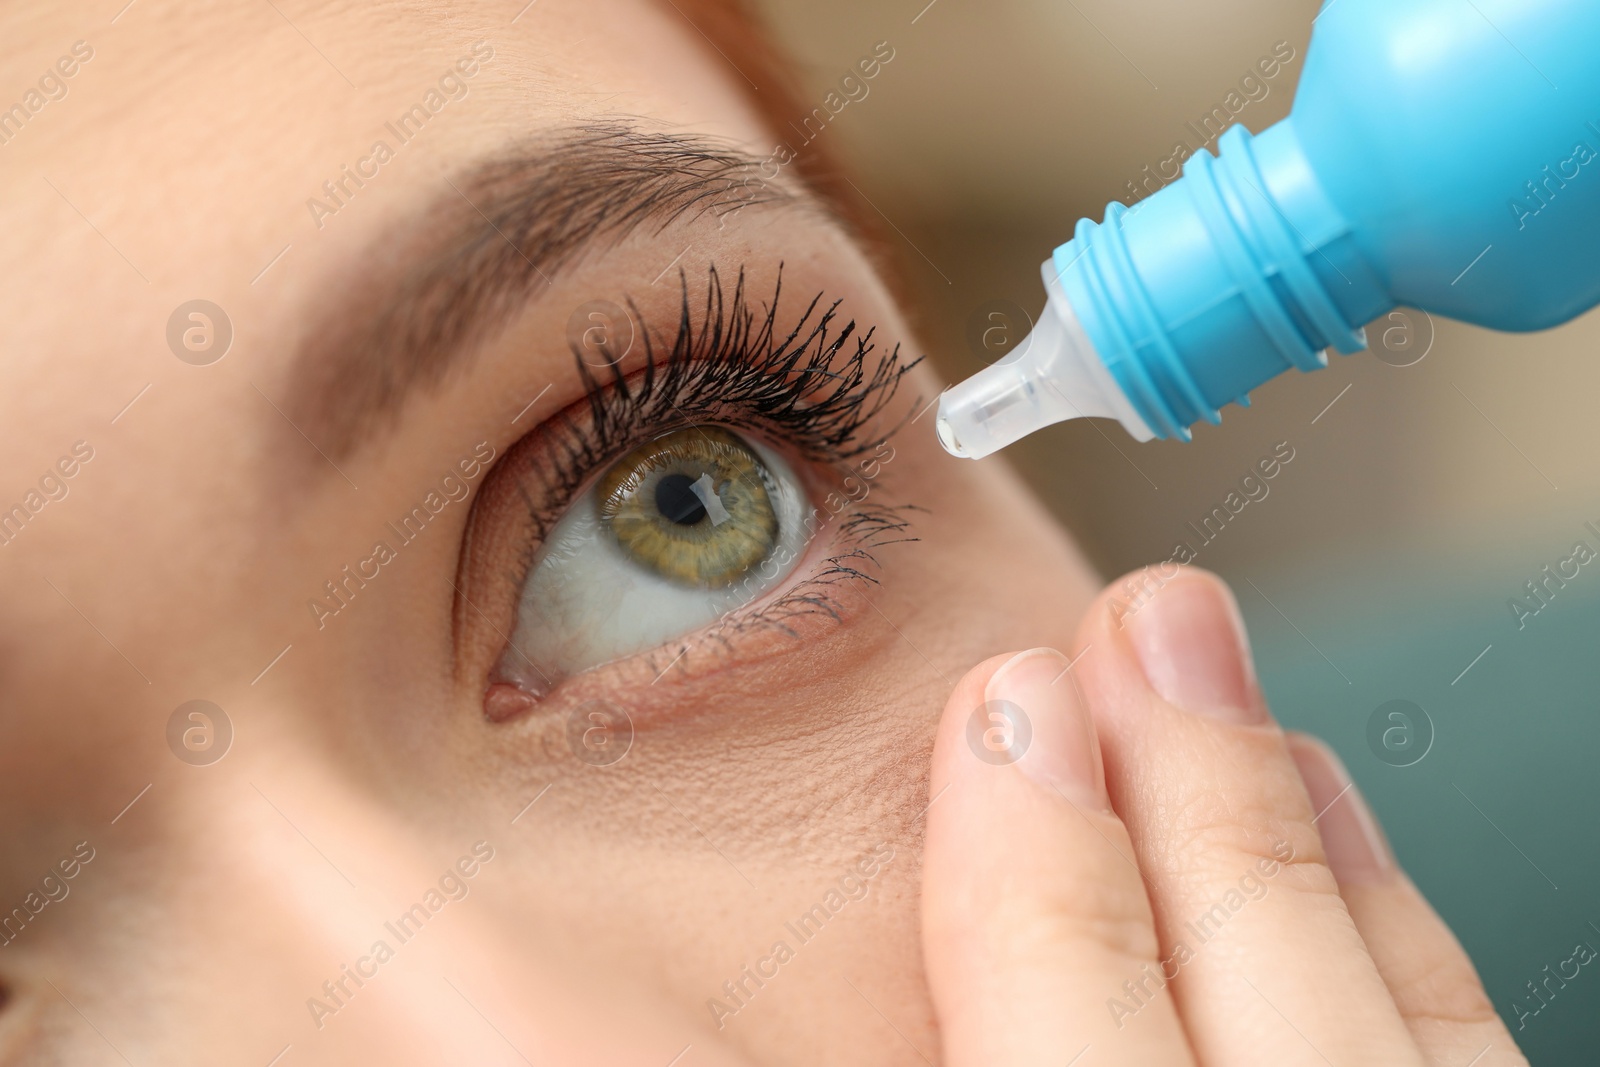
x=586, y=602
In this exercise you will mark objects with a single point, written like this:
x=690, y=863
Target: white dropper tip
x=947, y=435
x=1053, y=375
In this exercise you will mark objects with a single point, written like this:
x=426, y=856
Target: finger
x=1033, y=913
x=1431, y=979
x=1265, y=963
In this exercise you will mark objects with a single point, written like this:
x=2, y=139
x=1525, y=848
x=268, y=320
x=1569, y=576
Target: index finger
x=1033, y=912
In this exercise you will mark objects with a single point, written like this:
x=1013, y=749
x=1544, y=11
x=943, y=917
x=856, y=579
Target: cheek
x=992, y=569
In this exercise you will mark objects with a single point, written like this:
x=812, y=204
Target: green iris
x=691, y=506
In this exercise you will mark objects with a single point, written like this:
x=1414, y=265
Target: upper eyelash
x=730, y=365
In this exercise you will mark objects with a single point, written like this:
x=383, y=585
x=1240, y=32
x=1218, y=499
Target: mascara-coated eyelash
x=819, y=387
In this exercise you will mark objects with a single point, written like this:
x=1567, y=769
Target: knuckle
x=1453, y=1005
x=1216, y=833
x=1441, y=986
x=1098, y=912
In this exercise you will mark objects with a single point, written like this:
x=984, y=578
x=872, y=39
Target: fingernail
x=1062, y=752
x=1357, y=851
x=1191, y=643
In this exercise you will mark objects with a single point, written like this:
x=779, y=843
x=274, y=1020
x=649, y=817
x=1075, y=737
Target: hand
x=1164, y=877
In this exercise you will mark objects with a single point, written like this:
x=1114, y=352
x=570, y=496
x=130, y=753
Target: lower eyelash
x=861, y=532
x=867, y=530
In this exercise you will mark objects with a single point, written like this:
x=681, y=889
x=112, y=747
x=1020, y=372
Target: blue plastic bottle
x=1440, y=154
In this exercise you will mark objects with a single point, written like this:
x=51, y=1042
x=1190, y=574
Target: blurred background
x=1432, y=477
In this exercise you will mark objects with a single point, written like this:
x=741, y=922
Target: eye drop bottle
x=1440, y=154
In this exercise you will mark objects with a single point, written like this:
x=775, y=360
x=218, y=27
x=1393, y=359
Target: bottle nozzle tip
x=948, y=438
x=1053, y=375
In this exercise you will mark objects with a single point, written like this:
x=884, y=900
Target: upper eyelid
x=822, y=387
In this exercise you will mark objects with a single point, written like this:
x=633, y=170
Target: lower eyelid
x=838, y=555
x=841, y=549
x=815, y=606
x=588, y=600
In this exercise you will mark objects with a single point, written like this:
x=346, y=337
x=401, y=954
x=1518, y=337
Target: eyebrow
x=479, y=252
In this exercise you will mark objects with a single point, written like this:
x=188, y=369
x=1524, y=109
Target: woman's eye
x=677, y=533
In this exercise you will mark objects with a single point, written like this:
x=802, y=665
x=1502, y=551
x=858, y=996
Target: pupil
x=676, y=500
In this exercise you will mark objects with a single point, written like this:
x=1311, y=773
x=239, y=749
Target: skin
x=363, y=768
x=362, y=765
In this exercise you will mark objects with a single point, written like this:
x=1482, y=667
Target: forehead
x=192, y=60
x=193, y=146
x=235, y=102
